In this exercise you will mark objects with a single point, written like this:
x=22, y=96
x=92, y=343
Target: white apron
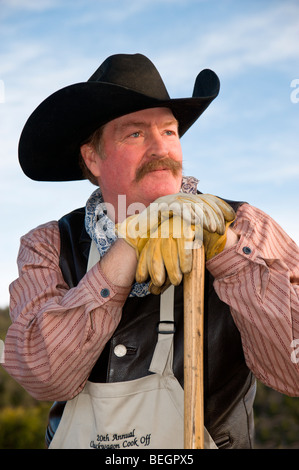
x=146, y=413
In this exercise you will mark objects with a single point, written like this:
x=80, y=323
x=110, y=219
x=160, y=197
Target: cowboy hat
x=49, y=145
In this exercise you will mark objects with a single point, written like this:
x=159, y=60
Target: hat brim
x=49, y=145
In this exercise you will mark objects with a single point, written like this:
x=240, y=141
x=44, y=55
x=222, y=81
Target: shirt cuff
x=102, y=288
x=233, y=259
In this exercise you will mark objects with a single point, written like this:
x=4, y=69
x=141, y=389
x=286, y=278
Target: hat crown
x=133, y=71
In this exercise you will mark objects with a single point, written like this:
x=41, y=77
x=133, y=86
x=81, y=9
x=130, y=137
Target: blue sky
x=244, y=147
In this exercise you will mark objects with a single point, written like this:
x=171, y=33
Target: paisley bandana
x=101, y=229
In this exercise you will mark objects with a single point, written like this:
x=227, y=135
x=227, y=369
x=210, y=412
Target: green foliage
x=23, y=428
x=276, y=420
x=23, y=419
x=4, y=322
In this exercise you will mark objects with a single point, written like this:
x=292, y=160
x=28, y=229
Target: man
x=90, y=304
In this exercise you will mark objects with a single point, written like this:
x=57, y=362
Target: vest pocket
x=223, y=442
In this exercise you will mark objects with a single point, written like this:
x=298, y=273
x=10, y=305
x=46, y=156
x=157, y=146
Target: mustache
x=152, y=165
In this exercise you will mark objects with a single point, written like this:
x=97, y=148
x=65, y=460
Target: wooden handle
x=193, y=353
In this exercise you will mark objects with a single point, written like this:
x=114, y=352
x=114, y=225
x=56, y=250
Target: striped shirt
x=58, y=333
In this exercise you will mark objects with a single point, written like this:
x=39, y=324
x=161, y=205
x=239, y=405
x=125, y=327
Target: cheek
x=177, y=152
x=118, y=174
x=123, y=171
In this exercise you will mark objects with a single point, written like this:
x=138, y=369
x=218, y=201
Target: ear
x=91, y=159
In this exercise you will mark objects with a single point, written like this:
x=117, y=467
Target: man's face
x=143, y=157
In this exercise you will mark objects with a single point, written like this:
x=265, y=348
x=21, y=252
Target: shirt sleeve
x=259, y=279
x=57, y=332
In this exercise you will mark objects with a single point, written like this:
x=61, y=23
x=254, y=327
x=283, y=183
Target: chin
x=162, y=187
x=160, y=193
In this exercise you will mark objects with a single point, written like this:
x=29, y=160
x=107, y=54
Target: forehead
x=145, y=117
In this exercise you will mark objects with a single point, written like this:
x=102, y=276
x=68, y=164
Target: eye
x=170, y=132
x=135, y=134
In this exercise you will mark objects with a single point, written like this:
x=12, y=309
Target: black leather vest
x=229, y=386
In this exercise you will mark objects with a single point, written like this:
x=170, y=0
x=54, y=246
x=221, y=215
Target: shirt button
x=120, y=350
x=246, y=250
x=105, y=292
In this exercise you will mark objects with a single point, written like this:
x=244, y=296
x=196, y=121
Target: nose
x=157, y=146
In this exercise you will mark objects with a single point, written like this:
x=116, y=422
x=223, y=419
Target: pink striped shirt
x=58, y=333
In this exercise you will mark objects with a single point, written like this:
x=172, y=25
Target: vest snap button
x=120, y=350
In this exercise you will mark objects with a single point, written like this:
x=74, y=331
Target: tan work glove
x=214, y=241
x=168, y=250
x=162, y=235
x=138, y=228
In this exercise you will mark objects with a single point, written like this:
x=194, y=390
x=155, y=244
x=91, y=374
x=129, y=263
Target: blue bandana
x=101, y=229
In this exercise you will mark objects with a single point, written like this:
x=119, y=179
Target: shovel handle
x=193, y=352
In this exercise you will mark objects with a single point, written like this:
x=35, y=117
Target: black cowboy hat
x=49, y=146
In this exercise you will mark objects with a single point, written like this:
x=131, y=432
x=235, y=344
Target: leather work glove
x=213, y=245
x=168, y=250
x=138, y=228
x=214, y=241
x=163, y=235
x=166, y=259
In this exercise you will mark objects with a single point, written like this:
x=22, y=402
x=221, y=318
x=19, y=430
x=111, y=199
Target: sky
x=244, y=147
